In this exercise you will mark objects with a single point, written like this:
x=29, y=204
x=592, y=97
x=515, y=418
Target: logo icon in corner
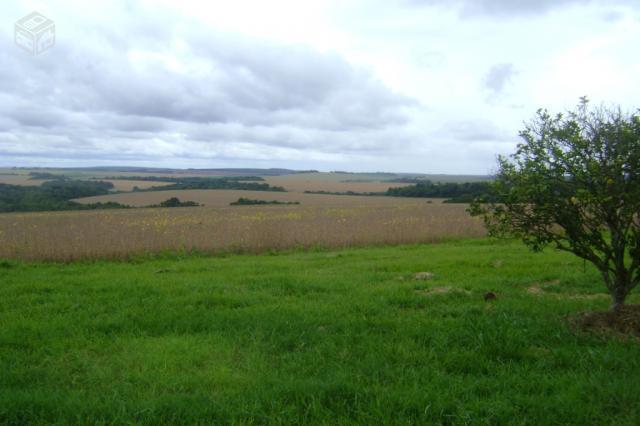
x=35, y=33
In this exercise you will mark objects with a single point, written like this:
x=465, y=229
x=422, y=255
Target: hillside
x=345, y=337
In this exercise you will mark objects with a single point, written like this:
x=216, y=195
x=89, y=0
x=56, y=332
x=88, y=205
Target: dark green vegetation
x=44, y=176
x=574, y=183
x=53, y=196
x=214, y=183
x=346, y=193
x=134, y=172
x=183, y=179
x=248, y=202
x=345, y=337
x=453, y=192
x=175, y=202
x=409, y=180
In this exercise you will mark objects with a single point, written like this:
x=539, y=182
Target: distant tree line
x=409, y=180
x=56, y=194
x=183, y=179
x=53, y=196
x=175, y=202
x=453, y=192
x=46, y=176
x=343, y=172
x=345, y=193
x=215, y=183
x=248, y=202
x=247, y=183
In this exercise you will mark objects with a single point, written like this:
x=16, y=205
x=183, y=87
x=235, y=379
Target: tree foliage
x=249, y=202
x=53, y=195
x=216, y=183
x=453, y=192
x=574, y=183
x=175, y=202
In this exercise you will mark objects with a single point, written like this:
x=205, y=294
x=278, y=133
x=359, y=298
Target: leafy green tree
x=175, y=202
x=574, y=183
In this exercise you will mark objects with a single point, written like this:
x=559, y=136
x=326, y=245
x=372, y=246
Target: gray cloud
x=255, y=85
x=474, y=131
x=132, y=82
x=498, y=77
x=217, y=91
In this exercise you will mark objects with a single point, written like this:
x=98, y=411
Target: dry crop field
x=66, y=236
x=332, y=182
x=356, y=182
x=21, y=180
x=295, y=182
x=128, y=185
x=118, y=185
x=222, y=198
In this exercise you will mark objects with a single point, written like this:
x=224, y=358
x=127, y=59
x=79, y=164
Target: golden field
x=330, y=182
x=223, y=197
x=128, y=185
x=72, y=235
x=22, y=180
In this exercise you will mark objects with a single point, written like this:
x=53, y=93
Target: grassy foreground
x=316, y=337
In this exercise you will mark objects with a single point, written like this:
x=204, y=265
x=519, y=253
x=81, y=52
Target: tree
x=574, y=183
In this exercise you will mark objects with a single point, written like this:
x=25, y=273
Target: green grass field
x=345, y=337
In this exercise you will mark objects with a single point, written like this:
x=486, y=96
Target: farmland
x=356, y=182
x=317, y=220
x=350, y=221
x=333, y=310
x=222, y=198
x=331, y=213
x=334, y=182
x=292, y=181
x=22, y=180
x=129, y=185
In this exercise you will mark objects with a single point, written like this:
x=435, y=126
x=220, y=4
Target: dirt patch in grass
x=423, y=276
x=540, y=289
x=534, y=289
x=625, y=322
x=440, y=290
x=587, y=296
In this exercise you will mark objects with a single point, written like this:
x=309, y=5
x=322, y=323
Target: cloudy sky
x=433, y=86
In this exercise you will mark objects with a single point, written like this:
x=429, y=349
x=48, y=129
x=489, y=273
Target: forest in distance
x=57, y=191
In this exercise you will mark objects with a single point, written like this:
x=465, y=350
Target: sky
x=423, y=86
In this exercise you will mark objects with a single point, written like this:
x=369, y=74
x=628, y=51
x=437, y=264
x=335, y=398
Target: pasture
x=340, y=337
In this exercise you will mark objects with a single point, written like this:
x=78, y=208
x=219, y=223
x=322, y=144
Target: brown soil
x=540, y=289
x=423, y=275
x=497, y=263
x=625, y=321
x=534, y=290
x=490, y=296
x=441, y=290
x=589, y=296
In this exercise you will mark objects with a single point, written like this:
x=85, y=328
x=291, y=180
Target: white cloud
x=420, y=85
